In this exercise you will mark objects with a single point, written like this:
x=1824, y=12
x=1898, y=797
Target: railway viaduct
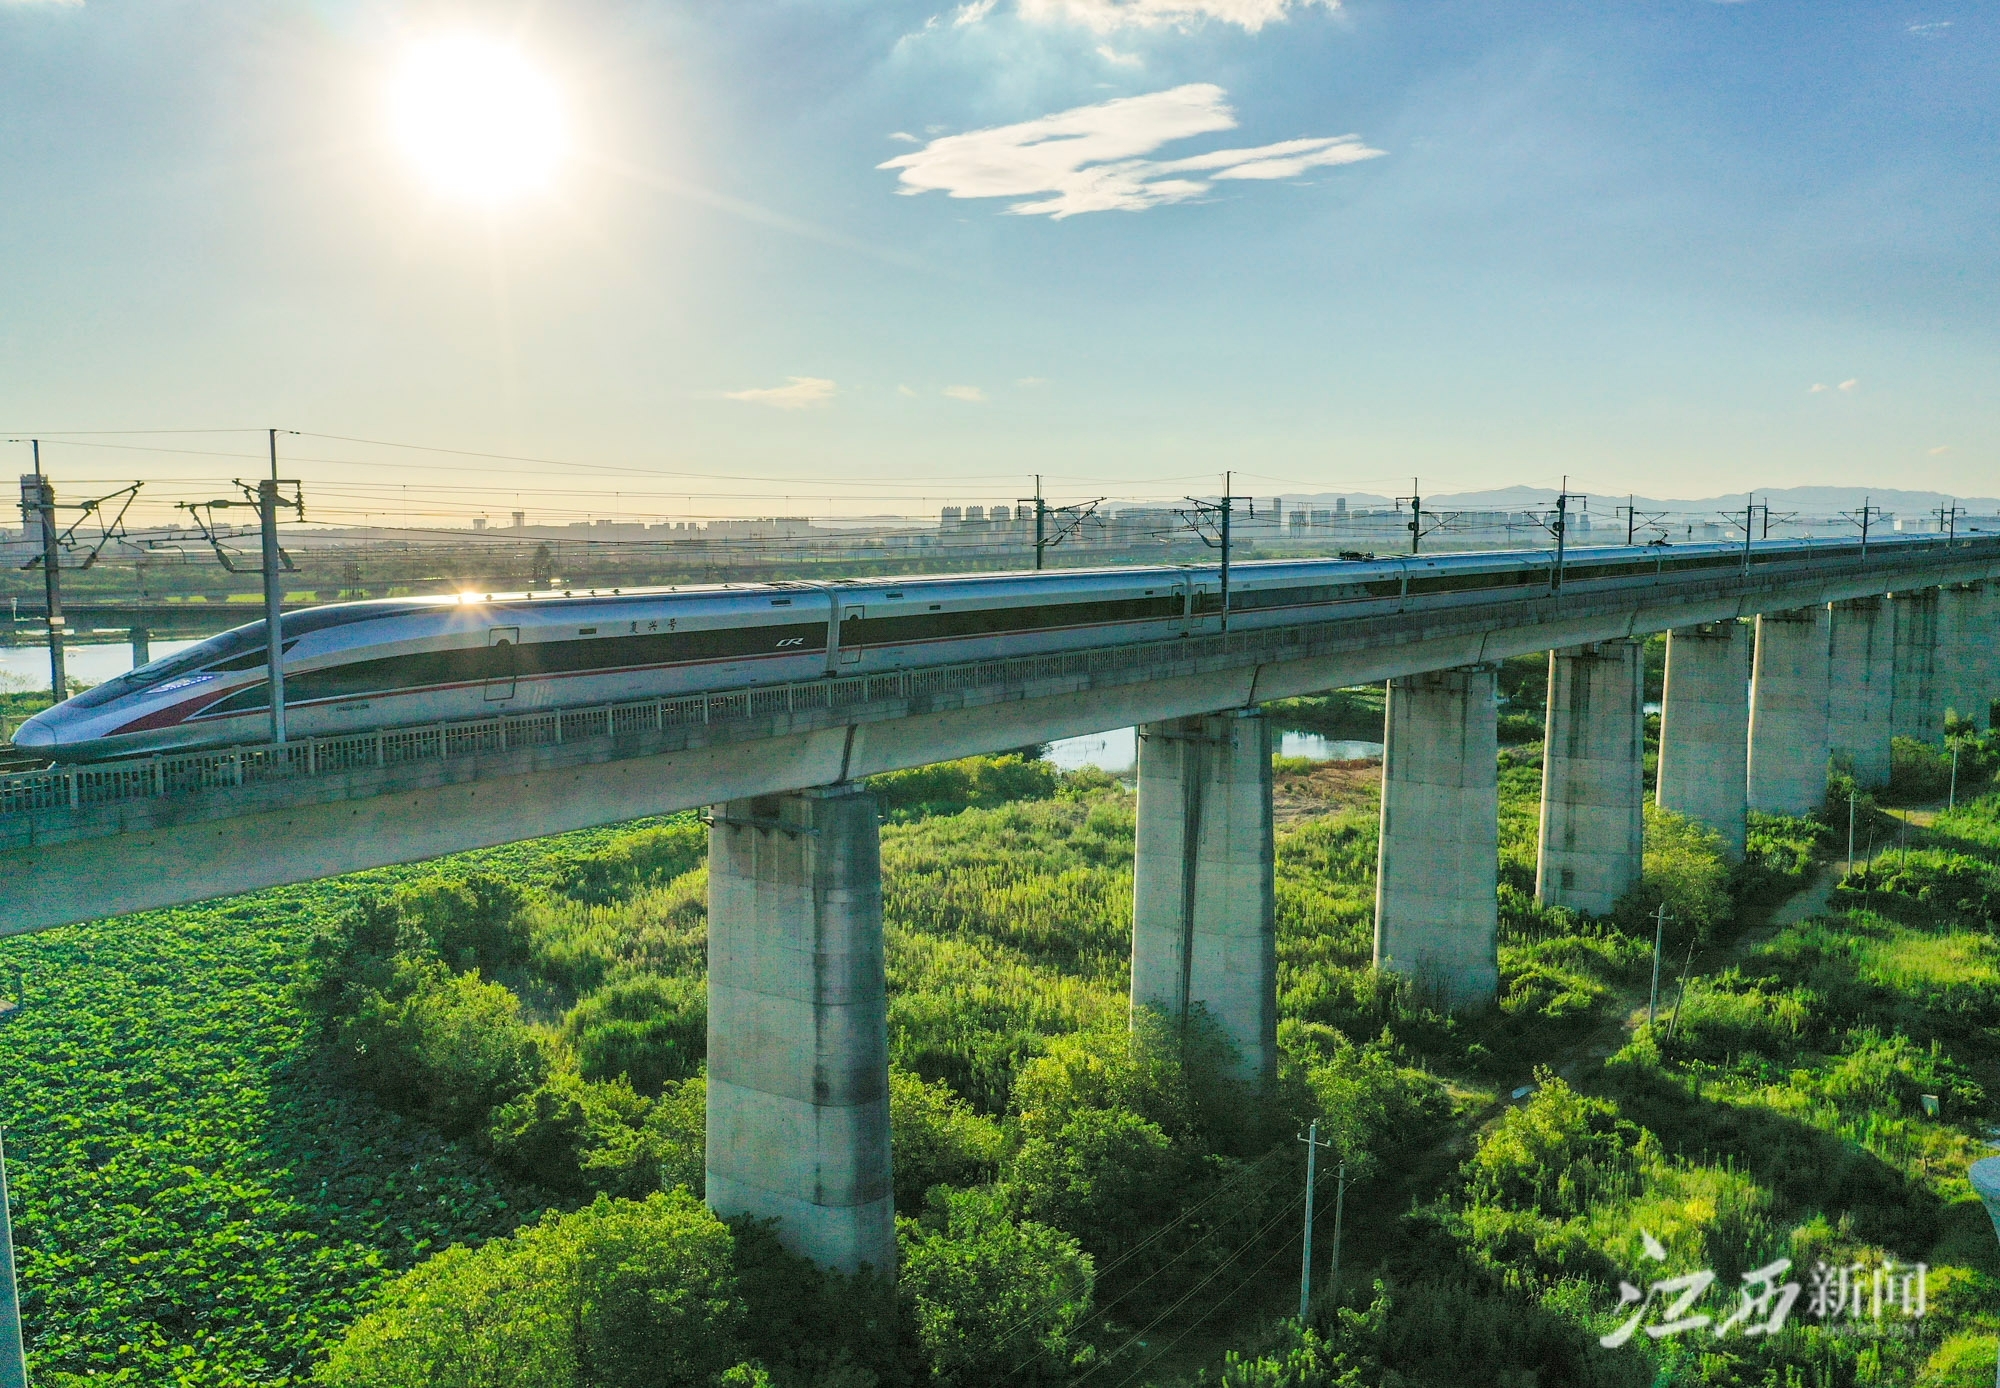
x=1771, y=669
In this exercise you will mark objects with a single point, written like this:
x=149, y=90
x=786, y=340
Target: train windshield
x=174, y=666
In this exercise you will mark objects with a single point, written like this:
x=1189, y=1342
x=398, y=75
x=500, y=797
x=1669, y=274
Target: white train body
x=399, y=662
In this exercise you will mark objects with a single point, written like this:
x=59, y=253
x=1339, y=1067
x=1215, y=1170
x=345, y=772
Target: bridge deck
x=206, y=823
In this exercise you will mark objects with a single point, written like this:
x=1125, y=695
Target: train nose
x=38, y=732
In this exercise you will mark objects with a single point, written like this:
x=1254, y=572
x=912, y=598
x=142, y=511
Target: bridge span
x=1771, y=669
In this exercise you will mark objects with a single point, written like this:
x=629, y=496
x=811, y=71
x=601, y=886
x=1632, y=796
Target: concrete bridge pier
x=1963, y=641
x=1862, y=686
x=1436, y=909
x=1593, y=826
x=1788, y=711
x=1916, y=711
x=1705, y=727
x=1987, y=642
x=798, y=1048
x=1203, y=903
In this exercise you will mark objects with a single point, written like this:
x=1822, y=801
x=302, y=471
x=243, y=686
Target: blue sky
x=1327, y=246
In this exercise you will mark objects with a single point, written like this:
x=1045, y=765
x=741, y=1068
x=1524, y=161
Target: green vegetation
x=444, y=1125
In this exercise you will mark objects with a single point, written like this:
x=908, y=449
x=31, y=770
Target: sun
x=476, y=119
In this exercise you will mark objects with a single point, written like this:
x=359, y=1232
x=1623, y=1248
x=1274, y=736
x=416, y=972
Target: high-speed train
x=358, y=666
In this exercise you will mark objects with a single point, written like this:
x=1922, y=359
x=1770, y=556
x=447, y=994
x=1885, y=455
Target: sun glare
x=476, y=119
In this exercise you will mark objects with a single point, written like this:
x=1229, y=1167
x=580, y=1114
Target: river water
x=1118, y=751
x=27, y=667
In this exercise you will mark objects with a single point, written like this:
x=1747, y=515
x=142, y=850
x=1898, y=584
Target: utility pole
x=1850, y=831
x=274, y=594
x=1197, y=519
x=38, y=493
x=1228, y=504
x=13, y=1358
x=1956, y=743
x=1041, y=521
x=1416, y=515
x=267, y=496
x=1751, y=506
x=1313, y=1144
x=1659, y=941
x=1561, y=529
x=1339, y=1218
x=1862, y=518
x=1070, y=521
x=1948, y=521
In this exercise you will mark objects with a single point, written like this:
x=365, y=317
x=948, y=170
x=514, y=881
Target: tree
x=993, y=1299
x=938, y=1139
x=620, y=1294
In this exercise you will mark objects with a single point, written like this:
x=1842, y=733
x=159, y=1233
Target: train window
x=586, y=631
x=937, y=607
x=781, y=602
x=892, y=595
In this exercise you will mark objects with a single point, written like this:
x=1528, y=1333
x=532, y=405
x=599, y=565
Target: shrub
x=938, y=1139
x=1344, y=1356
x=1552, y=1152
x=1918, y=771
x=667, y=1148
x=1369, y=1106
x=546, y=1134
x=1726, y=1016
x=646, y=1028
x=621, y=1294
x=474, y=922
x=1943, y=881
x=970, y=783
x=1687, y=870
x=644, y=858
x=446, y=1045
x=1106, y=1175
x=993, y=1299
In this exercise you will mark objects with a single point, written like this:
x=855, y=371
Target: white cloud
x=1089, y=159
x=799, y=392
x=905, y=390
x=1850, y=385
x=972, y=395
x=1941, y=450
x=1117, y=59
x=1032, y=381
x=1106, y=15
x=1934, y=30
x=1819, y=388
x=904, y=137
x=973, y=11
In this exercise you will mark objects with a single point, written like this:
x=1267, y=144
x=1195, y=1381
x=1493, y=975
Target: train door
x=850, y=634
x=1204, y=607
x=842, y=636
x=504, y=643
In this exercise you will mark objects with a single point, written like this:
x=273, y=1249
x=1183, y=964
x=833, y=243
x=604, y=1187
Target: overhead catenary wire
x=1216, y=1272
x=1221, y=1190
x=1214, y=1306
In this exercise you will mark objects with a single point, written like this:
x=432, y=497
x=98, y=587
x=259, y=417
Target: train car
x=350, y=667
